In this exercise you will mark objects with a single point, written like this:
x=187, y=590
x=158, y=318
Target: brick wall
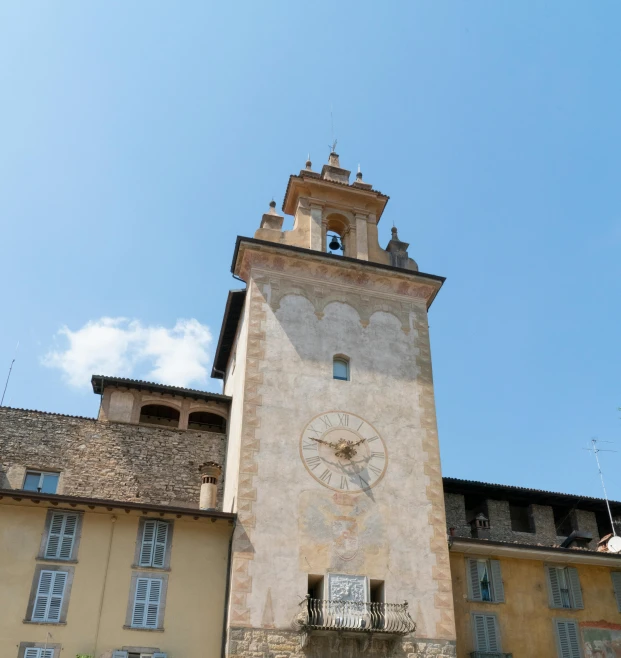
x=106, y=459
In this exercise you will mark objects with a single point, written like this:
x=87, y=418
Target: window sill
x=39, y=558
x=485, y=602
x=140, y=628
x=44, y=623
x=140, y=567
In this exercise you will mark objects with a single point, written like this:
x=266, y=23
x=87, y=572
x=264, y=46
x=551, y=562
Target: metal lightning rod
x=595, y=450
x=9, y=375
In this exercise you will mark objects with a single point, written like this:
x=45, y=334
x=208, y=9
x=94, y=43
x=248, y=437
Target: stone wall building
x=303, y=513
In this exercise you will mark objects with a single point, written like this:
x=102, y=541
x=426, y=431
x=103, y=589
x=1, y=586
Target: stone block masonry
x=274, y=643
x=110, y=460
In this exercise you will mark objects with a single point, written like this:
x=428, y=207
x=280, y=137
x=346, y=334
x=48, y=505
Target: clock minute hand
x=358, y=442
x=321, y=441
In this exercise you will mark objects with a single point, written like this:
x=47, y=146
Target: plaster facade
x=96, y=623
x=301, y=311
x=526, y=619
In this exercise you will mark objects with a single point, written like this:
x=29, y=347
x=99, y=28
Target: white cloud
x=119, y=347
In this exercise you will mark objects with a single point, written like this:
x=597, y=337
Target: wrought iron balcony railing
x=487, y=654
x=392, y=618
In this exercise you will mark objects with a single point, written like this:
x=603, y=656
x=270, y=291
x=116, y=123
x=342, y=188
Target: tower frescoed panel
x=335, y=477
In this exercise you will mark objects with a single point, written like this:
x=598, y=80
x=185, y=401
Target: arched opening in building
x=207, y=422
x=340, y=368
x=159, y=414
x=336, y=229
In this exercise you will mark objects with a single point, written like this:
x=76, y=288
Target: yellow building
x=531, y=576
x=88, y=577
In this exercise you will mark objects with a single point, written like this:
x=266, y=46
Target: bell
x=334, y=244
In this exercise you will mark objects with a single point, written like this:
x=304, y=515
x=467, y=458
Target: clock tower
x=333, y=465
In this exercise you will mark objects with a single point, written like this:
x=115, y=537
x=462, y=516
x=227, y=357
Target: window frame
x=70, y=571
x=575, y=603
x=42, y=474
x=496, y=583
x=163, y=577
x=46, y=534
x=341, y=358
x=493, y=615
x=55, y=647
x=140, y=538
x=557, y=638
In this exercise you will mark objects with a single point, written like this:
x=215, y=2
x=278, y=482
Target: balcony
x=355, y=616
x=487, y=654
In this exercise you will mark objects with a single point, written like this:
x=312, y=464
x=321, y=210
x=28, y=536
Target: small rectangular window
x=567, y=638
x=38, y=652
x=154, y=544
x=61, y=535
x=41, y=481
x=486, y=634
x=49, y=596
x=521, y=520
x=564, y=587
x=147, y=603
x=485, y=581
x=616, y=584
x=340, y=368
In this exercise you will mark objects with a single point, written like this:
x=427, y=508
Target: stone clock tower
x=333, y=463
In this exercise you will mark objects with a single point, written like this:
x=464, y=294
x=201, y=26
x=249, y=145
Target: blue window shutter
x=574, y=585
x=148, y=542
x=474, y=585
x=498, y=588
x=556, y=600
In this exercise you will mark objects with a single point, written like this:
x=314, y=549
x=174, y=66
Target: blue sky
x=138, y=139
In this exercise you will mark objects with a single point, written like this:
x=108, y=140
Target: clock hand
x=321, y=441
x=357, y=443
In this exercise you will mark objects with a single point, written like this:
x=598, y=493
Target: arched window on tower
x=340, y=368
x=337, y=227
x=207, y=422
x=159, y=414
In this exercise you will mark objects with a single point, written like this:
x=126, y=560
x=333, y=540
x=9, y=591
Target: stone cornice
x=325, y=269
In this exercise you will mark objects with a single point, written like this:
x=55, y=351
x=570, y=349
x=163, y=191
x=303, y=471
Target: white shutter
x=568, y=640
x=140, y=601
x=46, y=653
x=147, y=602
x=556, y=600
x=119, y=654
x=616, y=584
x=32, y=652
x=498, y=589
x=159, y=550
x=153, y=604
x=148, y=541
x=473, y=580
x=61, y=537
x=49, y=597
x=56, y=596
x=574, y=585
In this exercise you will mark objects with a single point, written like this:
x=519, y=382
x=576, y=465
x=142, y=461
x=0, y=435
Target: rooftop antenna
x=614, y=543
x=9, y=375
x=333, y=145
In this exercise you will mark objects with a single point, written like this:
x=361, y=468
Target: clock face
x=343, y=451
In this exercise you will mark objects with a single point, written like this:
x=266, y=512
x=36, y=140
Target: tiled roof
x=99, y=382
x=47, y=413
x=456, y=483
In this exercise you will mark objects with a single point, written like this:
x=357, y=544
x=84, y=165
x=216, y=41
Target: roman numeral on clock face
x=309, y=445
x=344, y=483
x=313, y=462
x=326, y=476
x=326, y=421
x=374, y=469
x=343, y=419
x=378, y=455
x=373, y=438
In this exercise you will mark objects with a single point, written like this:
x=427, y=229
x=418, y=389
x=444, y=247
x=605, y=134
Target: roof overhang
x=228, y=331
x=101, y=382
x=77, y=502
x=311, y=185
x=432, y=282
x=529, y=552
x=527, y=496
